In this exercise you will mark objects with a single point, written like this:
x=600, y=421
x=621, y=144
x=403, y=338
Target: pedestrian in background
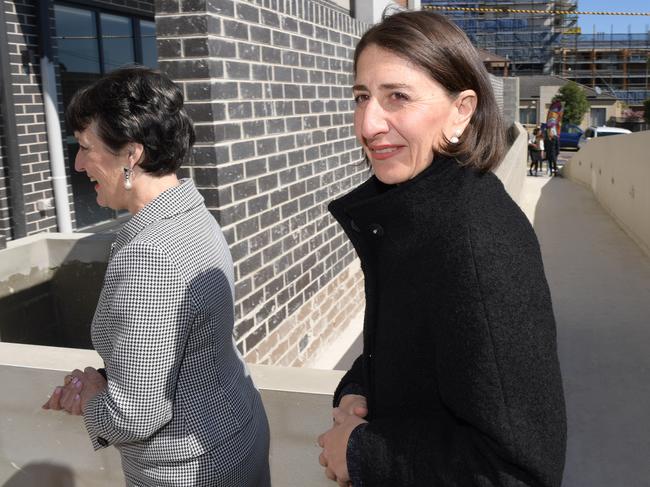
x=535, y=149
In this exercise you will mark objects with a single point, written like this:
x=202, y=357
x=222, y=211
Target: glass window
x=117, y=41
x=528, y=116
x=77, y=39
x=148, y=43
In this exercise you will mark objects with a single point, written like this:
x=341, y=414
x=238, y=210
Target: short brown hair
x=441, y=49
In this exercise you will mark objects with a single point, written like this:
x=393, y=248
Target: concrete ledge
x=40, y=447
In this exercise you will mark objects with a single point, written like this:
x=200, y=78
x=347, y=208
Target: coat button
x=376, y=229
x=354, y=226
x=102, y=441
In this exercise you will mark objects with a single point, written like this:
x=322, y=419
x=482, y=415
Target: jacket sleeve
x=352, y=381
x=149, y=316
x=502, y=420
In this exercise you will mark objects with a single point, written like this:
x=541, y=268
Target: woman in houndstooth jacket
x=175, y=397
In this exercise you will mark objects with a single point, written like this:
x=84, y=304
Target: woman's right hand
x=66, y=397
x=350, y=405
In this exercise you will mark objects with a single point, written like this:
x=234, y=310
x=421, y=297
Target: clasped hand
x=78, y=388
x=334, y=442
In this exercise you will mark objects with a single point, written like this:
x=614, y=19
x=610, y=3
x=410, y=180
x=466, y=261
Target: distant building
x=527, y=40
x=618, y=64
x=536, y=93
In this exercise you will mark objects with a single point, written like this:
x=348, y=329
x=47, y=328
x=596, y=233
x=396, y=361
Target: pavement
x=600, y=284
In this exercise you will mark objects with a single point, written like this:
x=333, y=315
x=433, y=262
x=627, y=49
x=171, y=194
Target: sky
x=603, y=23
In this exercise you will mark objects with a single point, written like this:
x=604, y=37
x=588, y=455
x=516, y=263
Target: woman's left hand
x=334, y=443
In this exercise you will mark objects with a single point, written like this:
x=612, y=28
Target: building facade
x=618, y=64
x=528, y=38
x=267, y=85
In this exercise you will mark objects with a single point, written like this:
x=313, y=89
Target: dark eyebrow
x=385, y=86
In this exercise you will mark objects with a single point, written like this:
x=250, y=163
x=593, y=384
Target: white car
x=593, y=132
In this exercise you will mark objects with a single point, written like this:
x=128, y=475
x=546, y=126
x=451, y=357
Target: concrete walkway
x=600, y=283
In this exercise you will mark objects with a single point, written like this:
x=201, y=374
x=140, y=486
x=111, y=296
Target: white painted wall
x=617, y=170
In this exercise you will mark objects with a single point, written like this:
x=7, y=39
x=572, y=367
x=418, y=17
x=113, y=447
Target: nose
x=78, y=162
x=373, y=119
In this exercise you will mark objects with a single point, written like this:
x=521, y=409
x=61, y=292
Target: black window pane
x=148, y=42
x=76, y=40
x=117, y=39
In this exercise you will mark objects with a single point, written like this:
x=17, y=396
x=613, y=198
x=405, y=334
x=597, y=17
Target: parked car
x=569, y=136
x=594, y=132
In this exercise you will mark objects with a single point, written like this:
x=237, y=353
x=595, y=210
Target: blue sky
x=603, y=23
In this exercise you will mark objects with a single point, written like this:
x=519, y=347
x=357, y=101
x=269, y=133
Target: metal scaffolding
x=528, y=40
x=616, y=63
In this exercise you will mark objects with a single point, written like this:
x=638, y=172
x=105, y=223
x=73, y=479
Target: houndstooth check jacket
x=177, y=386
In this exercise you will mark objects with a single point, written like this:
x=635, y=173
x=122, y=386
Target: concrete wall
x=617, y=171
x=47, y=448
x=510, y=100
x=512, y=170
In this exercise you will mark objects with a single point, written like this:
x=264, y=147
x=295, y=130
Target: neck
x=146, y=188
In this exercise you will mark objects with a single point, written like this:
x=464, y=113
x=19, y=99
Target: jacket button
x=376, y=230
x=102, y=441
x=354, y=226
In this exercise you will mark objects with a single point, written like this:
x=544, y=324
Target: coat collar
x=375, y=203
x=171, y=202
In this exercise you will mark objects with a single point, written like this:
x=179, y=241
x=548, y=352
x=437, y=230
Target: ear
x=135, y=153
x=465, y=105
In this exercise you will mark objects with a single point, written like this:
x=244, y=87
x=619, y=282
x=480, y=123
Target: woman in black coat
x=459, y=382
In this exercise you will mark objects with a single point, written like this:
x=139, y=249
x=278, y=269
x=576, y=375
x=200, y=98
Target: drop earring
x=128, y=172
x=456, y=137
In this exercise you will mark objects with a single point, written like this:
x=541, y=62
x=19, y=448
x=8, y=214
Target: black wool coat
x=460, y=365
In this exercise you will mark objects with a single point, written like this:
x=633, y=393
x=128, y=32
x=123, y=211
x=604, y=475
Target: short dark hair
x=439, y=47
x=136, y=104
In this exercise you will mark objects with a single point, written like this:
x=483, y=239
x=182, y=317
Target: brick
x=281, y=39
x=236, y=30
x=266, y=146
x=222, y=48
x=270, y=18
x=289, y=24
x=306, y=28
x=235, y=70
x=248, y=12
x=243, y=150
x=262, y=72
x=223, y=7
x=253, y=129
x=271, y=55
x=260, y=34
x=168, y=48
x=250, y=91
x=195, y=47
x=249, y=52
x=256, y=167
x=299, y=43
x=180, y=26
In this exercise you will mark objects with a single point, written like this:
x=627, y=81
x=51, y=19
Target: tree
x=575, y=102
x=646, y=110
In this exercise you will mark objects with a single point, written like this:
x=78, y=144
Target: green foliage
x=646, y=110
x=575, y=102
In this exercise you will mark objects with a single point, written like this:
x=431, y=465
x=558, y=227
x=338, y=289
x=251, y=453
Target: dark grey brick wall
x=267, y=83
x=22, y=33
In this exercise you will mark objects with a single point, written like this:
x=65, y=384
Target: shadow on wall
x=600, y=284
x=51, y=302
x=42, y=474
